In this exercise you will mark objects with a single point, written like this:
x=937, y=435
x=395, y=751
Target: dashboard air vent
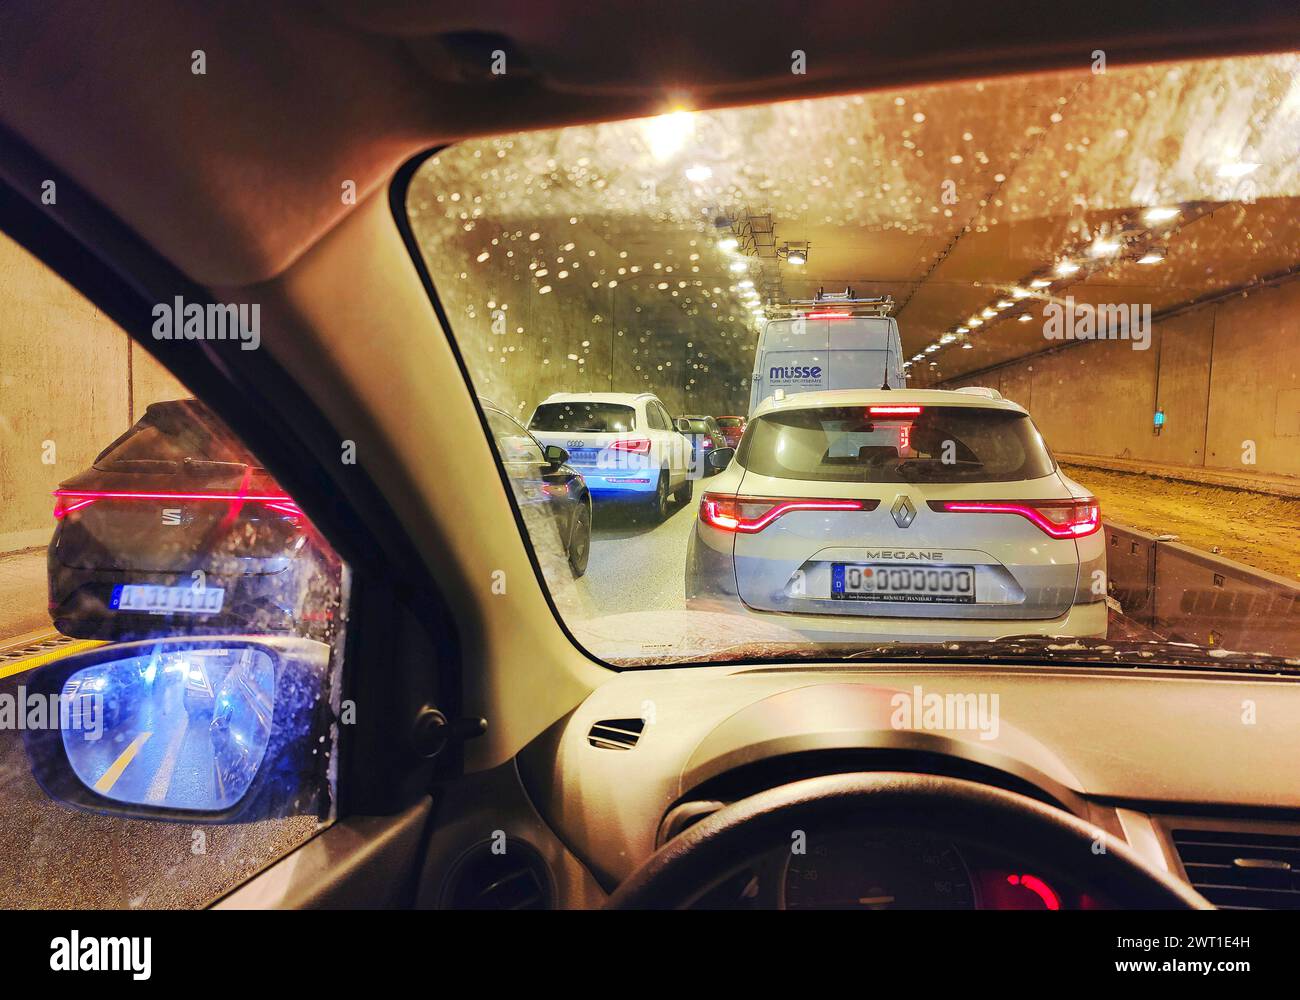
x=517, y=879
x=616, y=734
x=1242, y=870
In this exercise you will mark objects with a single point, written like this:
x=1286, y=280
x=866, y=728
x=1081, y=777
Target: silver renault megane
x=902, y=515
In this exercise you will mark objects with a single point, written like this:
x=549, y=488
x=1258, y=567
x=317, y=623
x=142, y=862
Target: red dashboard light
x=1038, y=887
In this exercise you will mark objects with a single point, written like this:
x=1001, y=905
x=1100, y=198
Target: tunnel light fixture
x=947, y=338
x=963, y=329
x=728, y=243
x=968, y=346
x=1103, y=247
x=739, y=265
x=1039, y=283
x=1066, y=268
x=746, y=284
x=1004, y=304
x=1237, y=169
x=1155, y=216
x=989, y=313
x=974, y=321
x=699, y=173
x=932, y=348
x=797, y=258
x=1152, y=257
x=667, y=134
x=1020, y=293
x=1023, y=318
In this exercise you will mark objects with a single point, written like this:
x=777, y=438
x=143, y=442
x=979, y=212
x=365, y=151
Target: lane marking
x=109, y=777
x=162, y=780
x=41, y=659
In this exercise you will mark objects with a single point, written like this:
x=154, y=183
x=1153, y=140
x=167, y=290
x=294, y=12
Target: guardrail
x=1192, y=596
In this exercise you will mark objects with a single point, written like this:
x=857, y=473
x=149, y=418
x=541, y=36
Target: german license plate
x=160, y=600
x=903, y=584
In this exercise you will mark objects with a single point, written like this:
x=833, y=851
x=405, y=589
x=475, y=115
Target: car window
x=138, y=531
x=943, y=444
x=584, y=416
x=1076, y=289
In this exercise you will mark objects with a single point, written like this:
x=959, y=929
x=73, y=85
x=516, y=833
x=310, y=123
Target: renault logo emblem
x=903, y=511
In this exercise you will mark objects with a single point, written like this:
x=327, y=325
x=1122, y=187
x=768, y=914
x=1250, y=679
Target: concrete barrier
x=1192, y=596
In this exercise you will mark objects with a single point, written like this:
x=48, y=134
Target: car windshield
x=939, y=444
x=1019, y=359
x=579, y=417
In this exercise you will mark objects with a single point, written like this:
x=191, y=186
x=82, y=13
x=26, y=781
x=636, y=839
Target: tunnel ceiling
x=951, y=199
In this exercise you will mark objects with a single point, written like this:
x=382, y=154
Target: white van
x=831, y=342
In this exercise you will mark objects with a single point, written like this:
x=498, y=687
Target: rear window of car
x=699, y=426
x=941, y=444
x=728, y=423
x=172, y=437
x=579, y=417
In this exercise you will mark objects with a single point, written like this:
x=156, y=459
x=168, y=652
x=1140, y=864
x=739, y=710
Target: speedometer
x=871, y=871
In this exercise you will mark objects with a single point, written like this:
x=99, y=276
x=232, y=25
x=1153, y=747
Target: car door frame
x=397, y=615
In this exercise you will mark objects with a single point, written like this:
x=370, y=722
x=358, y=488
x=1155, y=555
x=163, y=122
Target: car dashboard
x=1141, y=754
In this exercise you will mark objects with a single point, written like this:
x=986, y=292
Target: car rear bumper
x=79, y=604
x=1080, y=621
x=711, y=586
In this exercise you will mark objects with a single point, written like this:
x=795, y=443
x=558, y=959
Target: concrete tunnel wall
x=1226, y=373
x=68, y=376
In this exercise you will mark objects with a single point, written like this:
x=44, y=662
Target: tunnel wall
x=69, y=377
x=1226, y=373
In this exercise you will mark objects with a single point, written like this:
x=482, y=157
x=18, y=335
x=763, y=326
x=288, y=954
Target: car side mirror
x=555, y=455
x=721, y=458
x=683, y=425
x=204, y=729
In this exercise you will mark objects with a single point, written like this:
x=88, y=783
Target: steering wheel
x=1045, y=838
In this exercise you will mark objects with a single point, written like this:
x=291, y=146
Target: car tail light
x=894, y=411
x=1057, y=518
x=67, y=501
x=751, y=514
x=828, y=315
x=708, y=442
x=637, y=446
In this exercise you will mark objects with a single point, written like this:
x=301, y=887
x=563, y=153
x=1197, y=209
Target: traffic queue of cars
x=901, y=514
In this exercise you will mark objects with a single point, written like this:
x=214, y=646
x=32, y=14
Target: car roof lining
x=233, y=174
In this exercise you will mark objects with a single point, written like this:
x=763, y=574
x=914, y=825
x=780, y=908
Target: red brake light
x=828, y=315
x=67, y=501
x=1057, y=518
x=752, y=514
x=894, y=411
x=637, y=446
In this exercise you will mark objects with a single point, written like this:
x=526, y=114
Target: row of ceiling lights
x=1102, y=249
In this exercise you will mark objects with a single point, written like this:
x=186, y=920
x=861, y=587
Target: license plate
x=166, y=600
x=583, y=456
x=903, y=584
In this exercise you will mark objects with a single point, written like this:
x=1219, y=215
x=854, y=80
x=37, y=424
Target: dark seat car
x=546, y=487
x=175, y=527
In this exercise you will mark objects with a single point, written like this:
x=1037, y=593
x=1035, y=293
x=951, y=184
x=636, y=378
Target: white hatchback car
x=905, y=515
x=624, y=444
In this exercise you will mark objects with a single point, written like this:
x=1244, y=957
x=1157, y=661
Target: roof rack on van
x=844, y=303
